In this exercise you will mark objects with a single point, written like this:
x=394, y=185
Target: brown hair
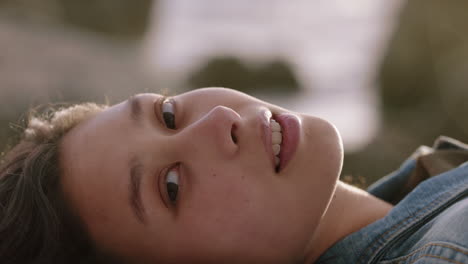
x=36, y=223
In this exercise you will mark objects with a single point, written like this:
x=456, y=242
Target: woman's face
x=206, y=190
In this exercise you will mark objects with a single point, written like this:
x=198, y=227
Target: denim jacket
x=429, y=224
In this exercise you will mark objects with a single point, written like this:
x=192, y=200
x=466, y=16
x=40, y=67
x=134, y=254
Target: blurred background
x=390, y=74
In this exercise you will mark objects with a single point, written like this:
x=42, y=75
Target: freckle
x=214, y=174
x=243, y=177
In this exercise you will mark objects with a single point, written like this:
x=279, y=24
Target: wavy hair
x=36, y=223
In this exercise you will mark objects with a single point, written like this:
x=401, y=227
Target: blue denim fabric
x=430, y=225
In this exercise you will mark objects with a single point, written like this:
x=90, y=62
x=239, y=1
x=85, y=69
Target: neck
x=350, y=210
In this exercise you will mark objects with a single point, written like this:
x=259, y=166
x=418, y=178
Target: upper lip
x=265, y=132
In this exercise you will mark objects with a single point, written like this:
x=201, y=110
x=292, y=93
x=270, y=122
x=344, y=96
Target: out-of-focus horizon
x=332, y=49
x=391, y=75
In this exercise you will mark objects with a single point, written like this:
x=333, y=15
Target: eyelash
x=168, y=117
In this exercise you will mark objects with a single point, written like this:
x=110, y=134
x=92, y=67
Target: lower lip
x=290, y=125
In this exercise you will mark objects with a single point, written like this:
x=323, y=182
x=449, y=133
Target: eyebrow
x=136, y=173
x=136, y=110
x=136, y=168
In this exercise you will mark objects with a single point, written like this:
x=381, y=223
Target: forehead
x=82, y=146
x=93, y=159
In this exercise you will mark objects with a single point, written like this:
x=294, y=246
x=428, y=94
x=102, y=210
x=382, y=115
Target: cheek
x=237, y=215
x=223, y=203
x=222, y=198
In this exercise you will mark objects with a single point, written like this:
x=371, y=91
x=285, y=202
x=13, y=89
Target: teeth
x=275, y=126
x=276, y=139
x=276, y=149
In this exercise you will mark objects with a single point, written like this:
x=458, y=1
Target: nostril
x=233, y=135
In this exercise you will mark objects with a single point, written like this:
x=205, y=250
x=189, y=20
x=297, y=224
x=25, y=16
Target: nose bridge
x=211, y=132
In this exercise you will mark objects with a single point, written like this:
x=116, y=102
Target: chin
x=338, y=146
x=323, y=146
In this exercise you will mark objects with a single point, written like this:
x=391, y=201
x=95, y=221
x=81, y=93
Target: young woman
x=216, y=176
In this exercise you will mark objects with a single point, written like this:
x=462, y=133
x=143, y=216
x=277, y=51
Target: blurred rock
x=424, y=72
x=424, y=85
x=115, y=18
x=40, y=65
x=275, y=77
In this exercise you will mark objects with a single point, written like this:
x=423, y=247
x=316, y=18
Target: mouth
x=281, y=138
x=291, y=128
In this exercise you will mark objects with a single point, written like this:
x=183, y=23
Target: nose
x=213, y=132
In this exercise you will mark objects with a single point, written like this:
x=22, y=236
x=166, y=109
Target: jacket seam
x=438, y=257
x=429, y=245
x=416, y=216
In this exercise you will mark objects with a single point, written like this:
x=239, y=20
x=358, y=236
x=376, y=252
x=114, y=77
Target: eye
x=172, y=184
x=167, y=109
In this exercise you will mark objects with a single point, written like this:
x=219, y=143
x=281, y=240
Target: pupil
x=172, y=190
x=234, y=139
x=169, y=119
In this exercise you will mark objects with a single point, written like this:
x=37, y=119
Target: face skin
x=232, y=207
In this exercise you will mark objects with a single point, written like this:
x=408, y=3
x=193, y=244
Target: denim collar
x=427, y=200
